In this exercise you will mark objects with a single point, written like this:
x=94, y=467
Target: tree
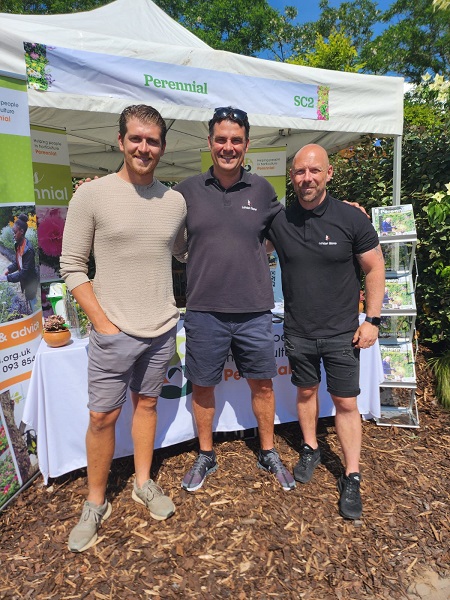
x=418, y=41
x=354, y=20
x=443, y=4
x=241, y=26
x=284, y=33
x=337, y=54
x=49, y=7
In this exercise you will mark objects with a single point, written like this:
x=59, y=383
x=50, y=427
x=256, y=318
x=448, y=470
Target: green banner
x=20, y=313
x=16, y=181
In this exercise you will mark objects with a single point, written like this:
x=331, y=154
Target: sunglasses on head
x=224, y=112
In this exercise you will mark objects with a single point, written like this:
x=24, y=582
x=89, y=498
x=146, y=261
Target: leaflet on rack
x=398, y=364
x=394, y=222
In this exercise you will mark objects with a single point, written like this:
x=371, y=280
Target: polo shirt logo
x=327, y=242
x=249, y=206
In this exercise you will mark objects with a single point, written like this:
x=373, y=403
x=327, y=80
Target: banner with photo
x=270, y=163
x=53, y=189
x=20, y=306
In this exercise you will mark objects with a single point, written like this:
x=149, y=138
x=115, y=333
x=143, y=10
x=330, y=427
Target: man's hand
x=86, y=180
x=365, y=336
x=107, y=328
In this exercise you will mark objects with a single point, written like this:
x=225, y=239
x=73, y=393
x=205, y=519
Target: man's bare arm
x=372, y=263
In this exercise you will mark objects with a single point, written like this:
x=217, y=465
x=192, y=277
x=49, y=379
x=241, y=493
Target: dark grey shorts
x=122, y=360
x=340, y=360
x=211, y=336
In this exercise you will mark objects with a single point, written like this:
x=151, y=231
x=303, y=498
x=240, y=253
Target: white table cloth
x=56, y=404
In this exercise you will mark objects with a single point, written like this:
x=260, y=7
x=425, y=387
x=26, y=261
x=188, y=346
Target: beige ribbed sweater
x=133, y=231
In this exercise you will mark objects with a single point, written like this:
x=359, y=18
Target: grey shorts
x=212, y=336
x=340, y=360
x=122, y=360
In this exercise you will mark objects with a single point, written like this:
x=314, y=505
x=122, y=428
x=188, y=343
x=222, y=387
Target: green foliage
x=337, y=54
x=353, y=20
x=7, y=238
x=364, y=174
x=440, y=365
x=241, y=26
x=284, y=34
x=442, y=4
x=31, y=236
x=49, y=7
x=418, y=40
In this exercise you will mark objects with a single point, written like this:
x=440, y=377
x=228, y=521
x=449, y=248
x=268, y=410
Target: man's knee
x=99, y=421
x=203, y=395
x=345, y=405
x=307, y=394
x=260, y=386
x=147, y=403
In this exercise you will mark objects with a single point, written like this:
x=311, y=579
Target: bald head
x=310, y=173
x=318, y=152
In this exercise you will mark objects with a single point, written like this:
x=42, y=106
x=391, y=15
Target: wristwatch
x=373, y=320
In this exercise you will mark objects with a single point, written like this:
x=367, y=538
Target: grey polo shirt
x=227, y=267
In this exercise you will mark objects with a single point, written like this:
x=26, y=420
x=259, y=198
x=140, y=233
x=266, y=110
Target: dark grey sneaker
x=272, y=462
x=350, y=505
x=84, y=534
x=202, y=467
x=304, y=469
x=153, y=498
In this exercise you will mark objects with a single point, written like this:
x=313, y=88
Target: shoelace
x=275, y=463
x=306, y=458
x=351, y=489
x=86, y=515
x=201, y=462
x=152, y=491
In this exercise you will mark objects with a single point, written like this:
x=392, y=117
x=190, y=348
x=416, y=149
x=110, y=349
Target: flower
x=50, y=232
x=55, y=323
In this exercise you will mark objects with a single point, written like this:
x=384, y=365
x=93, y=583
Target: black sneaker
x=350, y=505
x=271, y=462
x=203, y=466
x=304, y=469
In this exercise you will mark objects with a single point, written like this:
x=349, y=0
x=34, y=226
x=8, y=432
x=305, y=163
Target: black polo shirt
x=320, y=274
x=227, y=266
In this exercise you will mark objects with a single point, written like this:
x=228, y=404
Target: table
x=56, y=404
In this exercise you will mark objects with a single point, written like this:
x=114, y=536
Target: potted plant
x=56, y=331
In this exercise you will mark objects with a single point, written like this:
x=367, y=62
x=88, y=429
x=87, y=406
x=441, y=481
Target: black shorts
x=340, y=360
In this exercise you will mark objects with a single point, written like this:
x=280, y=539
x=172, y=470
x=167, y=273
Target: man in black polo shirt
x=229, y=290
x=322, y=245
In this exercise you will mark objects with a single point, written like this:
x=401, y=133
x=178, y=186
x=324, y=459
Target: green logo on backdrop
x=52, y=184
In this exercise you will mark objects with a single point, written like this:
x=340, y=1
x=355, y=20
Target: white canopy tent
x=97, y=48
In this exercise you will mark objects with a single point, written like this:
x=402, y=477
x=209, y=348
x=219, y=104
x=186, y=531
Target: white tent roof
x=137, y=30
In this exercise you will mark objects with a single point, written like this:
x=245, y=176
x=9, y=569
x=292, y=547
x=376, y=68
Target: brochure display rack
x=397, y=233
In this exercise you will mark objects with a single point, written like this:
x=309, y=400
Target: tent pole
x=397, y=179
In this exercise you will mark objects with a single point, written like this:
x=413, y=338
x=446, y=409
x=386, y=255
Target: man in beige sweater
x=133, y=224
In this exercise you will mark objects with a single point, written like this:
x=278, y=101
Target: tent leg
x=397, y=179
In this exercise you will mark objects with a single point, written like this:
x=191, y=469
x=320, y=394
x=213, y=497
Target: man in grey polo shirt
x=229, y=290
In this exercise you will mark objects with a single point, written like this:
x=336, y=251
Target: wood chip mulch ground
x=241, y=536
